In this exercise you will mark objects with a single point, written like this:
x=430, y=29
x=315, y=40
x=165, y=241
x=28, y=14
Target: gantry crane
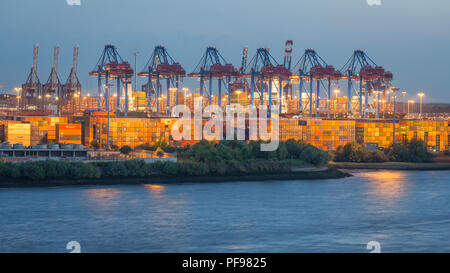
x=262, y=70
x=111, y=66
x=72, y=88
x=161, y=66
x=361, y=68
x=213, y=66
x=52, y=87
x=31, y=89
x=311, y=67
x=72, y=85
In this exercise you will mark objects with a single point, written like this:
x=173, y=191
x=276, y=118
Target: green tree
x=126, y=150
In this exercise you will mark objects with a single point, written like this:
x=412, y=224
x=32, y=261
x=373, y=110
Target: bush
x=412, y=151
x=126, y=150
x=375, y=156
x=354, y=152
x=240, y=151
x=115, y=169
x=32, y=171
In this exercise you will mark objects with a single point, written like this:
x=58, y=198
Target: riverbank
x=406, y=166
x=318, y=174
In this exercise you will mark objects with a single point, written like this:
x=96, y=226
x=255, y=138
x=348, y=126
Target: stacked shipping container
x=127, y=131
x=68, y=133
x=43, y=129
x=434, y=133
x=329, y=134
x=16, y=133
x=378, y=133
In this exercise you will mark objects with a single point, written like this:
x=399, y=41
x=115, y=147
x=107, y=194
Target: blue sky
x=409, y=37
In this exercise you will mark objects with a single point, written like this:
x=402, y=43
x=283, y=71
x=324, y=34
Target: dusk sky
x=411, y=38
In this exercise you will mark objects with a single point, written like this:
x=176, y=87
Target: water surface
x=404, y=211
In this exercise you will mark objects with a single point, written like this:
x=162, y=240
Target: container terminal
x=318, y=103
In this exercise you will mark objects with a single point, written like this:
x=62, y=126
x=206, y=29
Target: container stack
x=139, y=101
x=434, y=133
x=291, y=129
x=328, y=134
x=16, y=133
x=43, y=129
x=378, y=132
x=68, y=133
x=292, y=106
x=128, y=131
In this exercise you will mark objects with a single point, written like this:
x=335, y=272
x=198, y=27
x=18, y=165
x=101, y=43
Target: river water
x=403, y=211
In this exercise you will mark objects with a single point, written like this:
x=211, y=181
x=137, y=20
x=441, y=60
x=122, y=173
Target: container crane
x=111, y=66
x=31, y=89
x=72, y=87
x=362, y=69
x=53, y=85
x=311, y=67
x=263, y=68
x=213, y=66
x=161, y=66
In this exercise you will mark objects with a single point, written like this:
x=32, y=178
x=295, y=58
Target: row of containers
x=326, y=134
x=30, y=131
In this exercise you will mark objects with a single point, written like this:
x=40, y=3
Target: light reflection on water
x=386, y=183
x=404, y=211
x=102, y=196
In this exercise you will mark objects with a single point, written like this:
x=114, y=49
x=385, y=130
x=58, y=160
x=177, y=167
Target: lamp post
x=412, y=106
x=136, y=54
x=394, y=90
x=107, y=113
x=421, y=94
x=18, y=89
x=404, y=100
